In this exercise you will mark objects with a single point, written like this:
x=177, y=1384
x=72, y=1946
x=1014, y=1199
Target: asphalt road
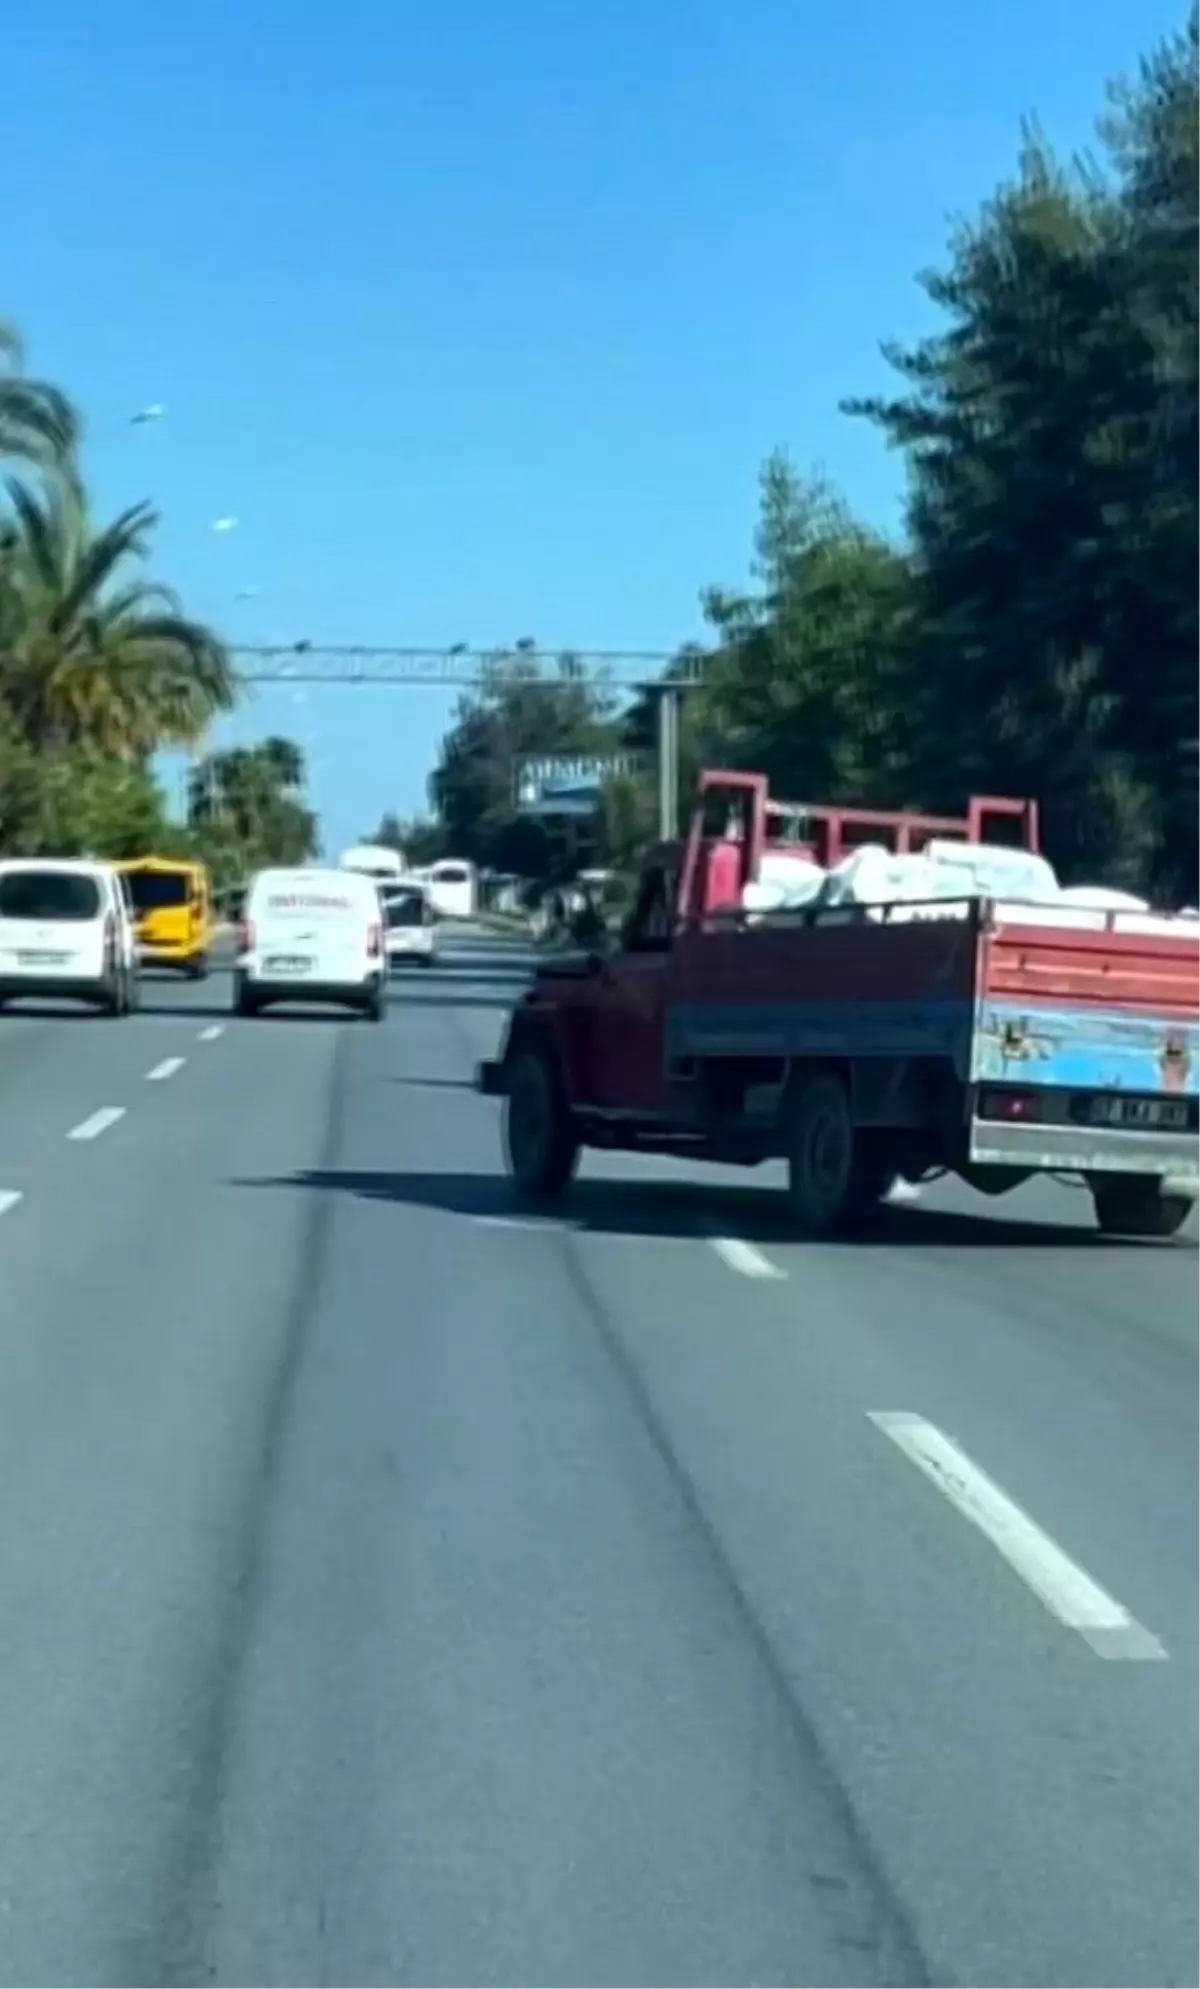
x=392, y=1591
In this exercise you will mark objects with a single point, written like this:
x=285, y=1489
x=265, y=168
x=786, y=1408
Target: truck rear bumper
x=489, y=1078
x=1173, y=1157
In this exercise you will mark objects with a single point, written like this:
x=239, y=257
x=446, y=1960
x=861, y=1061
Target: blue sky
x=482, y=323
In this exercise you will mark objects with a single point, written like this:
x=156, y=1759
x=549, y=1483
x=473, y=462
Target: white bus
x=453, y=888
x=373, y=860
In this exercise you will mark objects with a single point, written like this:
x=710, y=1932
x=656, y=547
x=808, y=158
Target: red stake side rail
x=734, y=808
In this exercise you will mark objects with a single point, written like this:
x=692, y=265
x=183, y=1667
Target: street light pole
x=668, y=763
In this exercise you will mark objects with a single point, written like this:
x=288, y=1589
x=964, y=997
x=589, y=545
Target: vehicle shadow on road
x=681, y=1209
x=435, y=1083
x=426, y=992
x=464, y=970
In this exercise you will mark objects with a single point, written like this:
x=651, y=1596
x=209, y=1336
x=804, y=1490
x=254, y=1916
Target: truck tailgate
x=1088, y=1010
x=1085, y=1050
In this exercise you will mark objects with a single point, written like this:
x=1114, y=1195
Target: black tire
x=113, y=1001
x=1138, y=1207
x=375, y=1006
x=824, y=1184
x=133, y=992
x=197, y=969
x=541, y=1145
x=245, y=1000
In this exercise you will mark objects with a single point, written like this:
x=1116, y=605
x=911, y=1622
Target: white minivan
x=410, y=925
x=311, y=935
x=66, y=931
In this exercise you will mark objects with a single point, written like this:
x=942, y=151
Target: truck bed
x=1000, y=992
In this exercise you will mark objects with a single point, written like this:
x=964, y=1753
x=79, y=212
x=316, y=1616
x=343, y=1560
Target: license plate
x=42, y=959
x=1159, y=1114
x=288, y=963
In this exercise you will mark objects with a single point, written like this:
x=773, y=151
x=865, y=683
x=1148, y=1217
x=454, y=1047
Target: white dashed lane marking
x=210, y=1034
x=9, y=1197
x=744, y=1258
x=167, y=1068
x=91, y=1129
x=1065, y=1588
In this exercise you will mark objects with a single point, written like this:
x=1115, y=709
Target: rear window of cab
x=158, y=890
x=402, y=908
x=69, y=896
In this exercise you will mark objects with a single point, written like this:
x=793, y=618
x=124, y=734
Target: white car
x=411, y=932
x=66, y=931
x=311, y=935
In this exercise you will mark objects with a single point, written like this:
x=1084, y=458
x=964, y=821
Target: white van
x=453, y=888
x=374, y=860
x=311, y=935
x=66, y=931
x=410, y=923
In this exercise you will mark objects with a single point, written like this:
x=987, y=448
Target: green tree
x=88, y=657
x=246, y=807
x=420, y=842
x=37, y=421
x=520, y=709
x=807, y=678
x=1050, y=430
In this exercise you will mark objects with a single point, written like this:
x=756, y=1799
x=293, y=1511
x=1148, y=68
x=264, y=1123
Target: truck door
x=631, y=1005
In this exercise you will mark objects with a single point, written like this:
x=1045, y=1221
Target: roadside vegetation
x=1034, y=632
x=101, y=669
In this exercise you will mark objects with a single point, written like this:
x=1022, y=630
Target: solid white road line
x=9, y=1197
x=167, y=1068
x=743, y=1257
x=210, y=1035
x=91, y=1129
x=1060, y=1583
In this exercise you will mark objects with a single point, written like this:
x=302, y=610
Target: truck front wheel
x=540, y=1142
x=1137, y=1207
x=822, y=1188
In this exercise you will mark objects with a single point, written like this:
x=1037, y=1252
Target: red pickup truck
x=859, y=1045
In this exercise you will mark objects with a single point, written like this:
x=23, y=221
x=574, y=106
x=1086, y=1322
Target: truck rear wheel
x=1138, y=1207
x=822, y=1188
x=540, y=1142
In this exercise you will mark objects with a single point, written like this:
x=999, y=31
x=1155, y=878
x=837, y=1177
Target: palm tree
x=37, y=422
x=250, y=796
x=87, y=659
x=285, y=761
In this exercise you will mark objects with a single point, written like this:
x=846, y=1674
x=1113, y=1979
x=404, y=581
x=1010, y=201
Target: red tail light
x=374, y=942
x=245, y=935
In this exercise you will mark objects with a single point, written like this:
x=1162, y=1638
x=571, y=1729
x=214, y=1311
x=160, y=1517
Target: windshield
x=405, y=908
x=452, y=873
x=49, y=894
x=156, y=890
